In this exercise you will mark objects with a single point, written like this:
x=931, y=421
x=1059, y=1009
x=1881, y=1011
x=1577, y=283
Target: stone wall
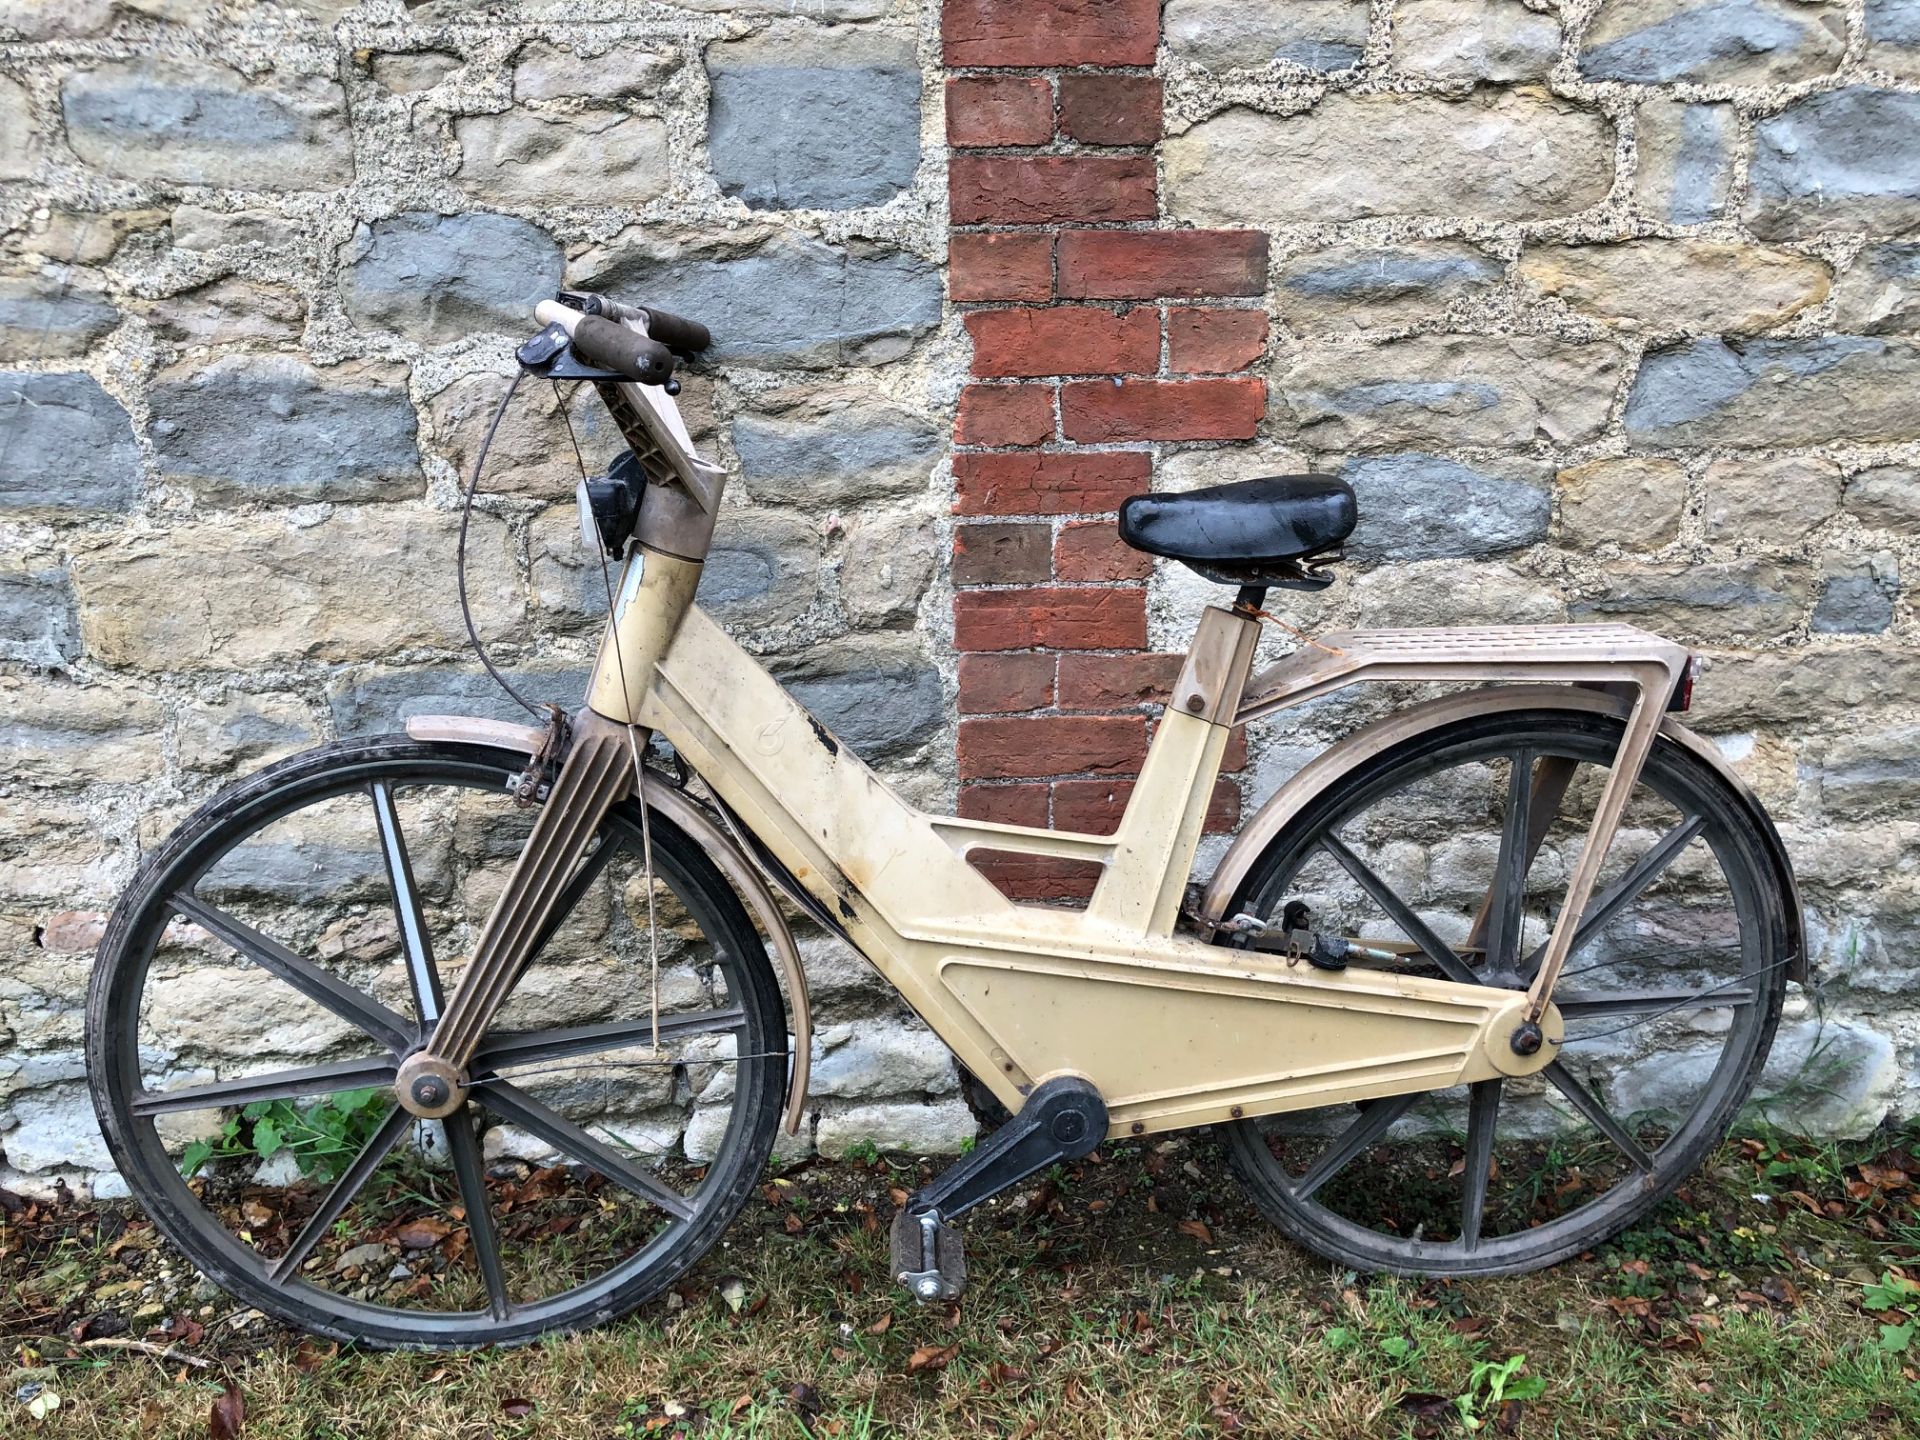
x=1606, y=309
x=263, y=268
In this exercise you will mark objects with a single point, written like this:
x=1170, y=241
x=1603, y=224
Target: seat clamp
x=1215, y=675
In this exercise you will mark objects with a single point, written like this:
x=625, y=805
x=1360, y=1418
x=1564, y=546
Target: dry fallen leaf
x=1429, y=1413
x=182, y=1330
x=310, y=1355
x=228, y=1415
x=1883, y=1177
x=422, y=1234
x=932, y=1357
x=1198, y=1230
x=516, y=1408
x=882, y=1325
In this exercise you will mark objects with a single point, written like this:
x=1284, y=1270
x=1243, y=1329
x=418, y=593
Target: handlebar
x=612, y=346
x=689, y=337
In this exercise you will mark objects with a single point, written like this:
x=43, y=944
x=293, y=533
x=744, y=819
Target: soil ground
x=1135, y=1294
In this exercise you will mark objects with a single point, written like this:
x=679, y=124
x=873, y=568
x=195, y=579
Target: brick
x=1049, y=32
x=1093, y=550
x=1051, y=189
x=999, y=110
x=1150, y=264
x=1235, y=760
x=1215, y=342
x=1053, y=483
x=1095, y=807
x=1110, y=109
x=1004, y=415
x=1003, y=683
x=1000, y=267
x=1059, y=617
x=1116, y=682
x=1019, y=747
x=1037, y=877
x=1065, y=340
x=1118, y=410
x=1002, y=554
x=1023, y=804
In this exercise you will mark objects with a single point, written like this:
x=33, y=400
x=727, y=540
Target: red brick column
x=1092, y=342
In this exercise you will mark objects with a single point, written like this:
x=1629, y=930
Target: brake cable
x=460, y=554
x=633, y=745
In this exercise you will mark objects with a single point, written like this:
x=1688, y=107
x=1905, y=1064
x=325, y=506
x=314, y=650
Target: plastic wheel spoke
x=1371, y=1124
x=532, y=1047
x=1651, y=1002
x=522, y=1109
x=1401, y=913
x=1583, y=1100
x=275, y=1085
x=1648, y=869
x=358, y=1009
x=1483, y=1117
x=341, y=1195
x=406, y=906
x=1508, y=893
x=576, y=889
x=464, y=1150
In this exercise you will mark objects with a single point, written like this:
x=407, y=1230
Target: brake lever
x=549, y=356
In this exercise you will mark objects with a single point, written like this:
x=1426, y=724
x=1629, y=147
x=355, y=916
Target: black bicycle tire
x=156, y=1183
x=1308, y=1224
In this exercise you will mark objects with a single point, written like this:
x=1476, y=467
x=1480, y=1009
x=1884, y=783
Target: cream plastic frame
x=1173, y=1031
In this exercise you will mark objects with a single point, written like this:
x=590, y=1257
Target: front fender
x=682, y=811
x=1290, y=799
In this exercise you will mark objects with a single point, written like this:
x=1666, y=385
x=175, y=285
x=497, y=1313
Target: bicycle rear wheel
x=292, y=941
x=1671, y=994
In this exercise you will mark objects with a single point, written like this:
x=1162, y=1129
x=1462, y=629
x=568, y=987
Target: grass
x=1105, y=1302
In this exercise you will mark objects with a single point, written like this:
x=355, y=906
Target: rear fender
x=1325, y=769
x=701, y=827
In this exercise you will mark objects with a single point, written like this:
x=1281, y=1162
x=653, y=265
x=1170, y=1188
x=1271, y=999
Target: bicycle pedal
x=929, y=1257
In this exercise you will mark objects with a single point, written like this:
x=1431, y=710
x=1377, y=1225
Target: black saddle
x=1270, y=531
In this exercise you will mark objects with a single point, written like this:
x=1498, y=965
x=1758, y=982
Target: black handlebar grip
x=687, y=336
x=614, y=347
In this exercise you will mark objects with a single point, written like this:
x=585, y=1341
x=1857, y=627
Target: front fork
x=597, y=773
x=600, y=769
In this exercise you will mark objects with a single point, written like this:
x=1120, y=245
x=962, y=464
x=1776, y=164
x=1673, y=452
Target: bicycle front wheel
x=1671, y=994
x=292, y=941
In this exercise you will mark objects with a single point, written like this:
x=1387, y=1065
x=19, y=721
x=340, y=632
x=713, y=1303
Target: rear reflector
x=1682, y=697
